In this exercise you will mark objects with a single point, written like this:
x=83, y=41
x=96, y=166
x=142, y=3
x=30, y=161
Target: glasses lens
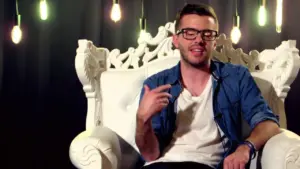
x=190, y=33
x=209, y=35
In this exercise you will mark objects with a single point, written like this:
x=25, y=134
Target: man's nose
x=199, y=39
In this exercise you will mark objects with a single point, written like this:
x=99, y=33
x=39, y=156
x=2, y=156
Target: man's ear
x=175, y=41
x=215, y=44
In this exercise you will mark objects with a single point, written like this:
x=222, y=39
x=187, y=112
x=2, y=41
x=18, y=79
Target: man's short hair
x=198, y=9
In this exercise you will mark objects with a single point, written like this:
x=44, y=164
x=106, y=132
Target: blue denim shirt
x=235, y=96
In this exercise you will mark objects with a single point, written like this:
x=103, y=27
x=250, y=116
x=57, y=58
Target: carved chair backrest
x=112, y=80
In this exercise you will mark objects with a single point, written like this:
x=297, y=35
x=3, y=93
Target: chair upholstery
x=113, y=80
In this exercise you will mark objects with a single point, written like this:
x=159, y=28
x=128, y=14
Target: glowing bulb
x=279, y=16
x=43, y=10
x=16, y=34
x=235, y=35
x=143, y=34
x=262, y=16
x=115, y=12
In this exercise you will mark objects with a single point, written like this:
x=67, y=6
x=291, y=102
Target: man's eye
x=190, y=33
x=207, y=34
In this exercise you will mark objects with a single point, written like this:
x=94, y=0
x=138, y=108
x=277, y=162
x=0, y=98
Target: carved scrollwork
x=133, y=56
x=84, y=154
x=287, y=63
x=90, y=62
x=86, y=157
x=294, y=157
x=164, y=48
x=226, y=53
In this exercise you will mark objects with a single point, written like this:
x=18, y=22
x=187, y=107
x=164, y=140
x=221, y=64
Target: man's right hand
x=153, y=101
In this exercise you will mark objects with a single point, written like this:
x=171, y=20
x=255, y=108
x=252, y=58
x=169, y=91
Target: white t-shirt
x=197, y=137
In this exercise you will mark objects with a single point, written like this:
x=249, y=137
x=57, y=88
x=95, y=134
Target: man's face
x=196, y=51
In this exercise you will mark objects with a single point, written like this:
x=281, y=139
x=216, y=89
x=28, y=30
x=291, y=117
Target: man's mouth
x=197, y=50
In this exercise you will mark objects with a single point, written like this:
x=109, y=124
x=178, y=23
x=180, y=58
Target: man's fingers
x=163, y=105
x=236, y=164
x=163, y=100
x=242, y=166
x=164, y=95
x=225, y=165
x=162, y=88
x=230, y=165
x=159, y=106
x=147, y=89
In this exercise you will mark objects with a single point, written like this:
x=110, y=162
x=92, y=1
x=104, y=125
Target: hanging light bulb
x=143, y=23
x=115, y=11
x=143, y=32
x=279, y=15
x=235, y=32
x=43, y=10
x=262, y=14
x=16, y=33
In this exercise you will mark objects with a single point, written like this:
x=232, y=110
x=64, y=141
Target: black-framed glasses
x=191, y=34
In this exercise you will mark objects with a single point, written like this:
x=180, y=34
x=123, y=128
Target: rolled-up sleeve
x=254, y=107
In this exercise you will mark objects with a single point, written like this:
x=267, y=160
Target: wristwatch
x=252, y=148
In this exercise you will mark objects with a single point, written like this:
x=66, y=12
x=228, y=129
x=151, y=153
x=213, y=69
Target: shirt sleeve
x=255, y=109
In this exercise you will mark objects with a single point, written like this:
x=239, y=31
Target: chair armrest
x=96, y=149
x=282, y=151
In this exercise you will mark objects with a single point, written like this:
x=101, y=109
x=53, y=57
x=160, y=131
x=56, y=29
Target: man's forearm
x=146, y=140
x=263, y=132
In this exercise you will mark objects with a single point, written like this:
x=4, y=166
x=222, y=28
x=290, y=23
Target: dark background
x=42, y=100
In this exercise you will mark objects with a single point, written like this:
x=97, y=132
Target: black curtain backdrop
x=42, y=100
x=1, y=44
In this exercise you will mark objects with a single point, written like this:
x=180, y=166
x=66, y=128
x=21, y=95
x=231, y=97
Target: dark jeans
x=176, y=165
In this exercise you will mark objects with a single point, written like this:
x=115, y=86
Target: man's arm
x=262, y=120
x=263, y=132
x=146, y=139
x=259, y=136
x=151, y=103
x=256, y=111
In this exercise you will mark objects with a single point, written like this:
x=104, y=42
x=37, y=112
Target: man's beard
x=201, y=64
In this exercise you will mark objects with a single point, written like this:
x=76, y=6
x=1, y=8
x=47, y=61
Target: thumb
x=147, y=89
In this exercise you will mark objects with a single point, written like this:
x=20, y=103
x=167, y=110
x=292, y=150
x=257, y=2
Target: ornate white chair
x=112, y=82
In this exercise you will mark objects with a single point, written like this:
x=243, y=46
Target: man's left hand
x=238, y=159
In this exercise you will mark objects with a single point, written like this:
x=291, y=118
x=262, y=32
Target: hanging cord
x=115, y=2
x=143, y=14
x=236, y=18
x=18, y=16
x=167, y=11
x=262, y=2
x=17, y=7
x=143, y=19
x=236, y=8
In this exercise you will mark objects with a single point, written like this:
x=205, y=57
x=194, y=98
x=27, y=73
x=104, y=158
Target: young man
x=190, y=115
